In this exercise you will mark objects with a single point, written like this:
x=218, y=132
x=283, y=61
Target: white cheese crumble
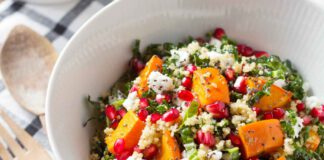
x=208, y=128
x=288, y=146
x=215, y=155
x=280, y=83
x=136, y=156
x=181, y=57
x=203, y=151
x=225, y=60
x=313, y=102
x=298, y=127
x=248, y=67
x=159, y=82
x=220, y=145
x=217, y=43
x=132, y=102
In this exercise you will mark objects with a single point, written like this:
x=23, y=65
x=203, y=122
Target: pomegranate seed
x=278, y=113
x=191, y=68
x=124, y=155
x=315, y=112
x=137, y=149
x=200, y=137
x=119, y=145
x=114, y=124
x=240, y=85
x=230, y=74
x=323, y=107
x=259, y=54
x=155, y=117
x=209, y=139
x=185, y=95
x=150, y=151
x=160, y=98
x=307, y=120
x=170, y=115
x=267, y=115
x=200, y=40
x=300, y=106
x=186, y=82
x=219, y=33
x=218, y=110
x=111, y=112
x=235, y=139
x=257, y=110
x=143, y=103
x=133, y=89
x=244, y=50
x=137, y=65
x=142, y=114
x=121, y=112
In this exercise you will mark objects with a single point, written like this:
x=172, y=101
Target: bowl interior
x=98, y=54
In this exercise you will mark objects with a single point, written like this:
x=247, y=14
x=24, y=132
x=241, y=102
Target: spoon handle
x=43, y=122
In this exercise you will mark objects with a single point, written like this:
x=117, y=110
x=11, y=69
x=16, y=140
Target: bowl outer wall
x=98, y=53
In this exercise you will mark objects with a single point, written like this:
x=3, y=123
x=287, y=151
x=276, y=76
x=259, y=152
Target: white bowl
x=98, y=53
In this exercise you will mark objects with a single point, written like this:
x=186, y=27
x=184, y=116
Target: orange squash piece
x=282, y=158
x=261, y=137
x=154, y=64
x=129, y=128
x=312, y=141
x=210, y=86
x=278, y=96
x=169, y=149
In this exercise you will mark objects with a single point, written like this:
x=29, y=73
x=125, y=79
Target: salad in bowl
x=208, y=98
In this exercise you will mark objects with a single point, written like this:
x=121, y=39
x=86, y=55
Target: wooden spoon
x=26, y=63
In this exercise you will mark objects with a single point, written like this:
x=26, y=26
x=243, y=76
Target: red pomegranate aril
x=186, y=82
x=155, y=117
x=235, y=139
x=124, y=155
x=219, y=33
x=300, y=107
x=137, y=149
x=240, y=85
x=111, y=112
x=267, y=115
x=230, y=74
x=137, y=65
x=142, y=114
x=209, y=139
x=259, y=54
x=315, y=112
x=114, y=124
x=143, y=103
x=160, y=98
x=191, y=68
x=185, y=95
x=121, y=112
x=307, y=120
x=119, y=146
x=257, y=110
x=150, y=151
x=323, y=107
x=133, y=89
x=200, y=136
x=170, y=115
x=244, y=50
x=278, y=113
x=218, y=110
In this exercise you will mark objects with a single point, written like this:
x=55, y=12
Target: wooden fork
x=24, y=147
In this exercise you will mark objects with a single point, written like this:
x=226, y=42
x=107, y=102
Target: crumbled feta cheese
x=312, y=102
x=132, y=102
x=159, y=82
x=173, y=129
x=208, y=128
x=298, y=127
x=215, y=155
x=136, y=156
x=248, y=67
x=288, y=146
x=280, y=83
x=226, y=131
x=217, y=43
x=203, y=151
x=181, y=57
x=225, y=60
x=193, y=47
x=137, y=81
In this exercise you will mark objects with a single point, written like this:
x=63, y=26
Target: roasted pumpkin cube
x=170, y=148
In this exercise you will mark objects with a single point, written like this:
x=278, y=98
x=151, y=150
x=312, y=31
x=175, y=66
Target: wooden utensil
x=31, y=150
x=26, y=63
